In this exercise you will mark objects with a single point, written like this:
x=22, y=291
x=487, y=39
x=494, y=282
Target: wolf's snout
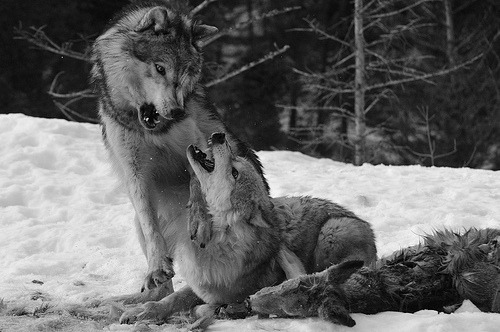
x=218, y=138
x=150, y=118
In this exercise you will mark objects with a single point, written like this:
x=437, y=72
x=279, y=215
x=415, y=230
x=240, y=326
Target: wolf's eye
x=160, y=69
x=234, y=173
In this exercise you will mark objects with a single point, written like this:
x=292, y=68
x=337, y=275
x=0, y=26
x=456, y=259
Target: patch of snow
x=65, y=220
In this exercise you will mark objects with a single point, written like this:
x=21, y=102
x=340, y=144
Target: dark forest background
x=432, y=73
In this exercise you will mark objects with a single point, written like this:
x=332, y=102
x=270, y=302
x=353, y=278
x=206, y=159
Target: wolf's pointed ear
x=155, y=19
x=202, y=32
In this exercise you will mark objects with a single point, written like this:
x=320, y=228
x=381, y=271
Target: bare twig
x=201, y=6
x=330, y=89
x=248, y=66
x=338, y=110
x=73, y=98
x=251, y=20
x=425, y=76
x=396, y=61
x=345, y=59
x=65, y=111
x=442, y=155
x=379, y=96
x=327, y=76
x=70, y=114
x=412, y=25
x=468, y=162
x=309, y=137
x=402, y=28
x=314, y=27
x=407, y=72
x=403, y=80
x=87, y=93
x=399, y=11
x=430, y=142
x=38, y=38
x=434, y=157
x=309, y=75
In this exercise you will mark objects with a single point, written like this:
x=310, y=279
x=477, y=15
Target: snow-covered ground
x=66, y=222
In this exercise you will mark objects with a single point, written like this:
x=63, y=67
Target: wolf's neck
x=223, y=219
x=125, y=117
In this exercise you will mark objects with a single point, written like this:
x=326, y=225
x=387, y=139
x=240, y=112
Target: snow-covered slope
x=66, y=222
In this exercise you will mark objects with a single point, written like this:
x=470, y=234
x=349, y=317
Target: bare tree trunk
x=292, y=122
x=450, y=33
x=251, y=36
x=359, y=85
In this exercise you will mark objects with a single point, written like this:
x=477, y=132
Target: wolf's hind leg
x=290, y=263
x=344, y=239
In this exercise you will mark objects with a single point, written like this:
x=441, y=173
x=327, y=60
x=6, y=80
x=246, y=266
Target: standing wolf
x=146, y=71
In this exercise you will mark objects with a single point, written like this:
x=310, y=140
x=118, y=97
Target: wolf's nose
x=177, y=113
x=218, y=138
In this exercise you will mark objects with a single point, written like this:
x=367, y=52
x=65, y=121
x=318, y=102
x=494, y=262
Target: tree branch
x=201, y=6
x=313, y=27
x=339, y=110
x=379, y=96
x=396, y=61
x=442, y=155
x=425, y=76
x=38, y=38
x=399, y=29
x=248, y=66
x=401, y=73
x=244, y=24
x=399, y=11
x=73, y=97
x=415, y=78
x=334, y=90
x=87, y=93
x=69, y=113
x=430, y=142
x=308, y=137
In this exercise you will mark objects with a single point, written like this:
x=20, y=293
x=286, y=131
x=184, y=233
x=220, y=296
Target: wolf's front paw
x=199, y=220
x=158, y=276
x=200, y=224
x=151, y=311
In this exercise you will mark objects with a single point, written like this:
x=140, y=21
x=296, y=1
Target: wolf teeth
x=201, y=157
x=150, y=116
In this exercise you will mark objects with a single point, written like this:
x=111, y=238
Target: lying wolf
x=146, y=72
x=243, y=240
x=445, y=270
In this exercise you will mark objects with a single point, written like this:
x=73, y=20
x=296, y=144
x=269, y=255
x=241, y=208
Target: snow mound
x=66, y=227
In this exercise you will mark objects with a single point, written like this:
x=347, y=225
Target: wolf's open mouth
x=149, y=116
x=201, y=158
